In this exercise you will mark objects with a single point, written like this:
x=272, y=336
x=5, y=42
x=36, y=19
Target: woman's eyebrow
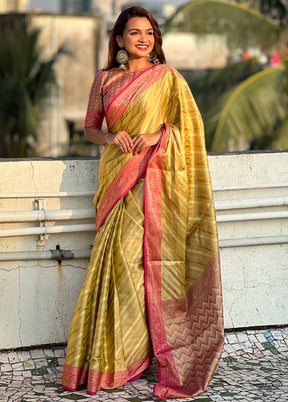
x=138, y=29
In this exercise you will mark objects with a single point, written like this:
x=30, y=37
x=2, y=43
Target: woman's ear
x=119, y=40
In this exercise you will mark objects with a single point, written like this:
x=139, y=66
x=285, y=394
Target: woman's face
x=138, y=38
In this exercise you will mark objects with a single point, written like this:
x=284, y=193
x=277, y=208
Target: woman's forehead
x=138, y=23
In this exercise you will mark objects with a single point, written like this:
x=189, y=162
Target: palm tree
x=249, y=108
x=274, y=9
x=25, y=82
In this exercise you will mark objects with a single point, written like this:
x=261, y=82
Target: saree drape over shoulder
x=153, y=286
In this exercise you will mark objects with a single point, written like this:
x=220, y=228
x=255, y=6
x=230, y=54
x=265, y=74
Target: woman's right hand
x=122, y=139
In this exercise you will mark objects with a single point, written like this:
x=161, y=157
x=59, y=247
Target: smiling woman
x=152, y=287
x=138, y=41
x=145, y=29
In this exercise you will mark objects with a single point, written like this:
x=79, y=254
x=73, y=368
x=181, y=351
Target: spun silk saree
x=153, y=285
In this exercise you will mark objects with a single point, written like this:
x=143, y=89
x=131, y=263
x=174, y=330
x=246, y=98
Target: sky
x=54, y=5
x=45, y=5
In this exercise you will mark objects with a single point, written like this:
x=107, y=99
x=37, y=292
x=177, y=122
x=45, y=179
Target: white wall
x=255, y=278
x=184, y=50
x=38, y=296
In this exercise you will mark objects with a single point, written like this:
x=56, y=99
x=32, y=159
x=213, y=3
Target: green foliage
x=213, y=83
x=240, y=25
x=243, y=105
x=250, y=112
x=274, y=9
x=25, y=82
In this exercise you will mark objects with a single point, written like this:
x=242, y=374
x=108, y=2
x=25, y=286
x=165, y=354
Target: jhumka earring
x=122, y=58
x=153, y=58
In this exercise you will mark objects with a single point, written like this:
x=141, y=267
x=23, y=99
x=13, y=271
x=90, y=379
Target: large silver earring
x=153, y=58
x=122, y=58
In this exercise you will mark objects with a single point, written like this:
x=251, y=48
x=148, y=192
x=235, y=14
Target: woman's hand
x=122, y=139
x=142, y=141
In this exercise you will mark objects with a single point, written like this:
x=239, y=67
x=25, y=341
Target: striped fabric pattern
x=153, y=284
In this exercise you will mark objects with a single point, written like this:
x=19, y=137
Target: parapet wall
x=46, y=205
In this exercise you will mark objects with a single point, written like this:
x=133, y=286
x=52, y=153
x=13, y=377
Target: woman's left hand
x=142, y=141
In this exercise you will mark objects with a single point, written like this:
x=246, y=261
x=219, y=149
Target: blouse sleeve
x=95, y=111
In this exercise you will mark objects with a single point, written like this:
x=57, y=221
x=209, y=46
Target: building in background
x=84, y=36
x=76, y=6
x=83, y=26
x=106, y=7
x=7, y=6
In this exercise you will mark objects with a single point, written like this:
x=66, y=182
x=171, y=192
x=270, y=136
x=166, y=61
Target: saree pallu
x=153, y=284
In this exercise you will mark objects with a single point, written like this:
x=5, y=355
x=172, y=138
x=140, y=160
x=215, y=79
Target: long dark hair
x=118, y=30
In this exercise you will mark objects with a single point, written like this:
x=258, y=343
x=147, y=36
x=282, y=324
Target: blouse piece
x=106, y=85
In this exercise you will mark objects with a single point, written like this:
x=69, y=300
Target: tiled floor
x=253, y=367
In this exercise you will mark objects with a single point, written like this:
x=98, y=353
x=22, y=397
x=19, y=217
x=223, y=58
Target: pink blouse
x=106, y=85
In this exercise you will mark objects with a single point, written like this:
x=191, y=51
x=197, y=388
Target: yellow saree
x=153, y=283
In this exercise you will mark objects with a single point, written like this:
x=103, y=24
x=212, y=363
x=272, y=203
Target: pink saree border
x=132, y=91
x=128, y=176
x=127, y=86
x=152, y=265
x=95, y=379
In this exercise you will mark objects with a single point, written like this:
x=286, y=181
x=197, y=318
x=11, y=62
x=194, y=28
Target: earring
x=153, y=59
x=122, y=58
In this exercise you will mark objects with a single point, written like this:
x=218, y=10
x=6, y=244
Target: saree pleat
x=108, y=331
x=153, y=284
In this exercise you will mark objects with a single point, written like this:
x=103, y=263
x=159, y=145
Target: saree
x=153, y=285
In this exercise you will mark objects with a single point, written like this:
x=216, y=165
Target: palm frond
x=280, y=139
x=241, y=25
x=25, y=83
x=228, y=76
x=208, y=87
x=251, y=110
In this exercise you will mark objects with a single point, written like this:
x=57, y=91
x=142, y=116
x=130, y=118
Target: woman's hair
x=118, y=30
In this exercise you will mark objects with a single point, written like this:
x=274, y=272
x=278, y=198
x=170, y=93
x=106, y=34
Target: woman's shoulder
x=166, y=68
x=104, y=73
x=103, y=76
x=170, y=72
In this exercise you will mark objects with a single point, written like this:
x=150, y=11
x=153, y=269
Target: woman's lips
x=142, y=47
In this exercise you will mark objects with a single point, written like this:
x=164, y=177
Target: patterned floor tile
x=253, y=367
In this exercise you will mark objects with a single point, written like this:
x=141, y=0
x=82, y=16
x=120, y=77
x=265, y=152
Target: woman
x=153, y=283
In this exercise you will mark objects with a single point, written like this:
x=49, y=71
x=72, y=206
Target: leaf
x=251, y=110
x=280, y=139
x=241, y=25
x=207, y=88
x=25, y=84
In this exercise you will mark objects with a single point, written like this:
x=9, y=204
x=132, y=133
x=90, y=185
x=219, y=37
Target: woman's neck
x=138, y=65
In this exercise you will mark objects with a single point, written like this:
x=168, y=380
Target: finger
x=120, y=142
x=124, y=145
x=128, y=138
x=125, y=141
x=138, y=148
x=138, y=143
x=136, y=140
x=129, y=142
